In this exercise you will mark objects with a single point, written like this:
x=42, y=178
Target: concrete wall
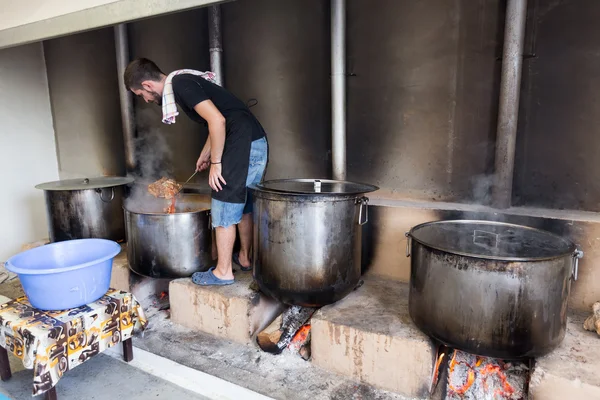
x=27, y=147
x=278, y=53
x=559, y=134
x=422, y=96
x=82, y=73
x=422, y=93
x=175, y=41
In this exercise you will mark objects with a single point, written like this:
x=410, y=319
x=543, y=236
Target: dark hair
x=141, y=70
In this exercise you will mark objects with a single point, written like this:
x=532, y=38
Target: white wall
x=27, y=149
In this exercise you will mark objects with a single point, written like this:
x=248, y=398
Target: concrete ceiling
x=32, y=21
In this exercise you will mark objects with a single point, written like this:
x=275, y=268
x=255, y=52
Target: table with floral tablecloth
x=53, y=342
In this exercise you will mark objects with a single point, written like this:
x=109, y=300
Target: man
x=235, y=151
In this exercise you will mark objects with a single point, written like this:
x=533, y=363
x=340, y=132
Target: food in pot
x=171, y=208
x=164, y=187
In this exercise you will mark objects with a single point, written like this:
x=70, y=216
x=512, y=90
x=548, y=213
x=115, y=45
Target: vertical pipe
x=508, y=112
x=215, y=43
x=338, y=88
x=125, y=97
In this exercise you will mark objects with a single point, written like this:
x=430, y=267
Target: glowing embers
x=293, y=333
x=469, y=377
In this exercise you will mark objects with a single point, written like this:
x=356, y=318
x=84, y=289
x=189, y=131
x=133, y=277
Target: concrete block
x=33, y=245
x=369, y=336
x=570, y=371
x=121, y=273
x=234, y=312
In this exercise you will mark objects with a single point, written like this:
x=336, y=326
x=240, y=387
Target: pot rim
x=164, y=214
x=573, y=249
x=79, y=184
x=259, y=188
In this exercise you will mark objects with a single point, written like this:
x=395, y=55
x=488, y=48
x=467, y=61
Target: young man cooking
x=235, y=151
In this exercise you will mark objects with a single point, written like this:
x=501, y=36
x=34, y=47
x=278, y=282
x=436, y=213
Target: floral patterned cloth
x=53, y=342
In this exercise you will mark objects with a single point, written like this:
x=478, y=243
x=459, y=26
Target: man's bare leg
x=225, y=241
x=245, y=227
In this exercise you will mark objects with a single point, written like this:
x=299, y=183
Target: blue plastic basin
x=67, y=274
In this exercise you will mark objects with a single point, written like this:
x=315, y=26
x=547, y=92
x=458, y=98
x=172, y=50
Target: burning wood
x=301, y=342
x=471, y=377
x=294, y=331
x=592, y=323
x=441, y=354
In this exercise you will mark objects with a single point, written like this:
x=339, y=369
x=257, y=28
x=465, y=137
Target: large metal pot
x=491, y=288
x=85, y=208
x=307, y=239
x=161, y=245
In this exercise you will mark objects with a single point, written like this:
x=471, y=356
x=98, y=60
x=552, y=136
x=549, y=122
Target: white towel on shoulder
x=169, y=107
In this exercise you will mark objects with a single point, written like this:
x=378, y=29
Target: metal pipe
x=215, y=43
x=508, y=111
x=125, y=97
x=338, y=88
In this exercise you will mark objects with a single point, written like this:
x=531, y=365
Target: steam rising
x=153, y=156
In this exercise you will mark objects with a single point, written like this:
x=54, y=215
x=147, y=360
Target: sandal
x=209, y=279
x=236, y=259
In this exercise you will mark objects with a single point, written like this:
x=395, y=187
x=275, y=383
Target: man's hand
x=203, y=161
x=215, y=178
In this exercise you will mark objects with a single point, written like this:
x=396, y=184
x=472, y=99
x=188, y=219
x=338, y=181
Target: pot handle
x=112, y=195
x=576, y=256
x=364, y=203
x=408, y=243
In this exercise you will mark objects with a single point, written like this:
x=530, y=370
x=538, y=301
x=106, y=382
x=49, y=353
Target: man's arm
x=203, y=160
x=216, y=140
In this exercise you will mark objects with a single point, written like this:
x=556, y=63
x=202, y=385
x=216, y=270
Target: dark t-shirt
x=242, y=128
x=190, y=90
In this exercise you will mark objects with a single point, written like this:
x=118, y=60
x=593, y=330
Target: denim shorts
x=226, y=214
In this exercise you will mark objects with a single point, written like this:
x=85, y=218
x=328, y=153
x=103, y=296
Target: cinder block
x=234, y=312
x=570, y=371
x=33, y=245
x=121, y=273
x=370, y=337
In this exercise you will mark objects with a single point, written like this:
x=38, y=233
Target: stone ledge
x=369, y=336
x=234, y=312
x=570, y=371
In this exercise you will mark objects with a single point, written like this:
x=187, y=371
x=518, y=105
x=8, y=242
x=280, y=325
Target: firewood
x=592, y=323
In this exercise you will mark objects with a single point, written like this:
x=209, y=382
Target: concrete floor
x=282, y=377
x=102, y=378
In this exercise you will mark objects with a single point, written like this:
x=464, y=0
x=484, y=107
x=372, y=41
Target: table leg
x=5, y=373
x=51, y=394
x=128, y=350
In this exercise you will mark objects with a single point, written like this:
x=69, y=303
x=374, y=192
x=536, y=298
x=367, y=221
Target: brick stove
x=291, y=331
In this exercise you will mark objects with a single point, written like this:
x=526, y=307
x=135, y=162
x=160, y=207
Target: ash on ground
x=472, y=377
